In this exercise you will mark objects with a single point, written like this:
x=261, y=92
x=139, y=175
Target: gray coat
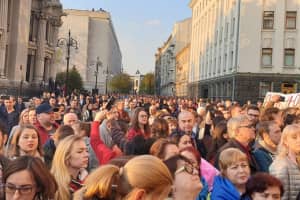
x=289, y=173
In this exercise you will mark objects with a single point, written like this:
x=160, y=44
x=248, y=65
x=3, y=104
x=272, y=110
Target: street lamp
x=106, y=73
x=98, y=64
x=68, y=43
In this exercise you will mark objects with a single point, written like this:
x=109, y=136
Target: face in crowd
x=186, y=121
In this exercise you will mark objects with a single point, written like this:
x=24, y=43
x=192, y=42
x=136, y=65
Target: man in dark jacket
x=241, y=133
x=266, y=148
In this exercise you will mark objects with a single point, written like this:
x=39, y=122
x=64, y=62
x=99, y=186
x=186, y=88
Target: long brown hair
x=135, y=120
x=45, y=182
x=14, y=151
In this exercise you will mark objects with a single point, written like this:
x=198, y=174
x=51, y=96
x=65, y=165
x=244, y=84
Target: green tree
x=121, y=83
x=75, y=80
x=147, y=84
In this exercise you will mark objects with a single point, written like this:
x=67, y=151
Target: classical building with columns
x=97, y=43
x=28, y=37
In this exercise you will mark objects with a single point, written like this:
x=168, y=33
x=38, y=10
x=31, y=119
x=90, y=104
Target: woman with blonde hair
x=143, y=177
x=23, y=119
x=26, y=141
x=235, y=171
x=68, y=166
x=286, y=165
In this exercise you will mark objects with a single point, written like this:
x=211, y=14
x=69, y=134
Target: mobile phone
x=110, y=103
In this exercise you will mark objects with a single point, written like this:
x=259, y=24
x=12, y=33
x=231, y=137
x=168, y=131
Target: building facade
x=28, y=35
x=165, y=64
x=241, y=49
x=96, y=37
x=182, y=71
x=136, y=81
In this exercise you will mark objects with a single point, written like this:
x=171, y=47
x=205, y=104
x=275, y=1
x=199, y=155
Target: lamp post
x=68, y=43
x=106, y=77
x=21, y=82
x=98, y=64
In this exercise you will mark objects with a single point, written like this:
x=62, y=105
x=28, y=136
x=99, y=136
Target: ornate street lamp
x=68, y=43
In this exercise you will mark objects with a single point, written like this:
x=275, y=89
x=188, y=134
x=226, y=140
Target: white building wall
x=96, y=36
x=227, y=37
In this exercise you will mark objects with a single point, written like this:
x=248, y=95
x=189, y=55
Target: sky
x=141, y=26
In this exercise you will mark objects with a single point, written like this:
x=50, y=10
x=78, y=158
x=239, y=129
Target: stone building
x=28, y=37
x=136, y=81
x=97, y=40
x=182, y=70
x=165, y=64
x=242, y=49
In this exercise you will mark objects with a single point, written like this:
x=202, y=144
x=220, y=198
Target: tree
x=147, y=84
x=75, y=80
x=121, y=83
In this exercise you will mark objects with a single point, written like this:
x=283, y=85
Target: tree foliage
x=121, y=83
x=74, y=79
x=147, y=84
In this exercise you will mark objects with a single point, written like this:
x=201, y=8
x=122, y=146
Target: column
x=40, y=53
x=54, y=38
x=3, y=33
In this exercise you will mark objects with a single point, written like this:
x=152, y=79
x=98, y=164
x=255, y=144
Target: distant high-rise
x=96, y=37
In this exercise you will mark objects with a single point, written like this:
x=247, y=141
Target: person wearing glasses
x=235, y=172
x=186, y=184
x=27, y=178
x=193, y=155
x=241, y=133
x=139, y=124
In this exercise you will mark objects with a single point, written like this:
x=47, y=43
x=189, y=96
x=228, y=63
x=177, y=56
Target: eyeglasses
x=23, y=189
x=187, y=168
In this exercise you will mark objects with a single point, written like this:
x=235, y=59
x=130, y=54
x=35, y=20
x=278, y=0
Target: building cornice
x=192, y=3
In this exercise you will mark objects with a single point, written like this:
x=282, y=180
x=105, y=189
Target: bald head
x=70, y=119
x=186, y=121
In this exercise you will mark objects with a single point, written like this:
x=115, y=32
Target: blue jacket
x=223, y=189
x=204, y=192
x=264, y=158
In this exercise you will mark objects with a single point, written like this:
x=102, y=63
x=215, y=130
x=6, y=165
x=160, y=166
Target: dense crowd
x=117, y=147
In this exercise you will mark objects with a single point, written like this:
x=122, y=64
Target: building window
x=268, y=20
x=265, y=87
x=266, y=57
x=290, y=21
x=289, y=57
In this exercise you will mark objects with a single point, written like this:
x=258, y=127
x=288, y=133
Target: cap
x=44, y=108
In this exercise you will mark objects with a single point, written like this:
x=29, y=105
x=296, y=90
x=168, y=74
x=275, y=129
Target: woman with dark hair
x=263, y=186
x=186, y=184
x=159, y=128
x=219, y=138
x=164, y=149
x=193, y=155
x=28, y=178
x=139, y=124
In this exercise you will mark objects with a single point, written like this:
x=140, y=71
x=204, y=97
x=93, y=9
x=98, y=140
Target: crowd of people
x=86, y=147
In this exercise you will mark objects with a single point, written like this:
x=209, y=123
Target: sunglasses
x=187, y=168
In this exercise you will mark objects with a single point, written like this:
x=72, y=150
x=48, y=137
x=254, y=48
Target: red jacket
x=103, y=153
x=44, y=135
x=132, y=133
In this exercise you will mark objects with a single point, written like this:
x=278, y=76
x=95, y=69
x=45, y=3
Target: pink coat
x=208, y=172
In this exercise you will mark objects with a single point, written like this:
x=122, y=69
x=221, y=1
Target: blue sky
x=141, y=26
